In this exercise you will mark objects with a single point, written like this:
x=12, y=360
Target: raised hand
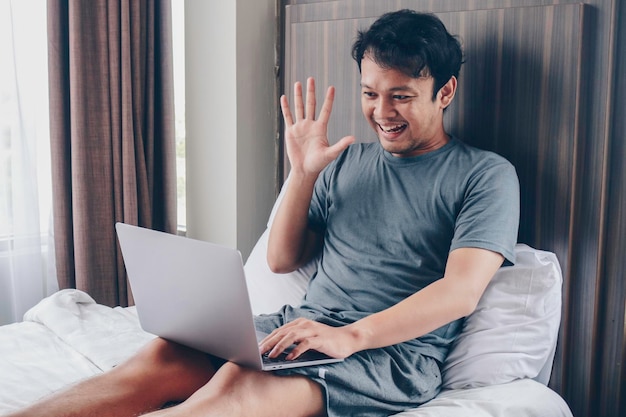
x=306, y=137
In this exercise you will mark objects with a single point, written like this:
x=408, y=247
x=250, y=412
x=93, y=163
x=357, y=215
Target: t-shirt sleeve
x=489, y=215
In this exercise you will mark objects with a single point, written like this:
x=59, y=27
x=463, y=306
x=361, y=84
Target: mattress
x=68, y=337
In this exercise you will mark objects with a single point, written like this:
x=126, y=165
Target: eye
x=401, y=97
x=369, y=94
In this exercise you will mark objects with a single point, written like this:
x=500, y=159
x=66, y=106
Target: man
x=411, y=230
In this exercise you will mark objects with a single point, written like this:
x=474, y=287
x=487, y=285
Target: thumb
x=340, y=146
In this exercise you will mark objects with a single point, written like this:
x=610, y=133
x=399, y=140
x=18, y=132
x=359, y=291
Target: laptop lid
x=194, y=293
x=191, y=292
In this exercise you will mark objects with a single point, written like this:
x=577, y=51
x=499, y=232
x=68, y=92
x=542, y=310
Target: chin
x=398, y=150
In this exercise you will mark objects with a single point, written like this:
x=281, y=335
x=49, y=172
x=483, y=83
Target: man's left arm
x=456, y=295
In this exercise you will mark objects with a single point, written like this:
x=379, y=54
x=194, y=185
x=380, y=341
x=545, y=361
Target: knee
x=248, y=386
x=161, y=352
x=232, y=376
x=245, y=391
x=161, y=358
x=155, y=354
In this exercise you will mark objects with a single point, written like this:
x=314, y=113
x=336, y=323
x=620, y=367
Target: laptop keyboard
x=310, y=355
x=279, y=359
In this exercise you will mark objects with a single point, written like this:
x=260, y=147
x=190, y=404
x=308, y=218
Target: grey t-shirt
x=389, y=224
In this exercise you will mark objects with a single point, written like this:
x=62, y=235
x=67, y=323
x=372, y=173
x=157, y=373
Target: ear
x=447, y=92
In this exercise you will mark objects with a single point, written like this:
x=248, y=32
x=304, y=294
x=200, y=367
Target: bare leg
x=159, y=373
x=238, y=391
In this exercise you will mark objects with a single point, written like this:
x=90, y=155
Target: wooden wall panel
x=612, y=335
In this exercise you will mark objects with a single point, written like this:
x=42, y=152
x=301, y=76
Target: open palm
x=306, y=137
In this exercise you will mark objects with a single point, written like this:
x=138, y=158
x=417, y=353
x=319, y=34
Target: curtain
x=111, y=133
x=26, y=276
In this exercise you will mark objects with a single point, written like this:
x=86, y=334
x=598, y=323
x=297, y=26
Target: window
x=25, y=187
x=178, y=28
x=24, y=132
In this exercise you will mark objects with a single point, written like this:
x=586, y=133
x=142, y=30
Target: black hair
x=417, y=44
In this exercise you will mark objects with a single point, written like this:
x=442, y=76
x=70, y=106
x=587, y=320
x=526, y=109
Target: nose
x=384, y=108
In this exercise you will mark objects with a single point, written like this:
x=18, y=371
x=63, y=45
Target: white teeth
x=393, y=129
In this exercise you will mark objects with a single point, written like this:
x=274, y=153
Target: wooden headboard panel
x=524, y=92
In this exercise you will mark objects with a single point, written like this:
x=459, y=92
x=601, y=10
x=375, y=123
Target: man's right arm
x=291, y=242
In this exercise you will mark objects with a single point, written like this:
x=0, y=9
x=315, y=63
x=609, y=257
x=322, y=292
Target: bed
x=499, y=366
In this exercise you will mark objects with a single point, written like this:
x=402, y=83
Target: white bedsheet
x=34, y=362
x=68, y=337
x=65, y=338
x=104, y=335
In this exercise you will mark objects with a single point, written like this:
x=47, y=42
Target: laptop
x=194, y=293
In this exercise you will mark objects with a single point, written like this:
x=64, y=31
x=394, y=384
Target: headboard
x=523, y=93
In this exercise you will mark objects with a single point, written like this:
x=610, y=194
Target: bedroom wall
x=231, y=117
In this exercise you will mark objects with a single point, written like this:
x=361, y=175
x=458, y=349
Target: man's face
x=401, y=111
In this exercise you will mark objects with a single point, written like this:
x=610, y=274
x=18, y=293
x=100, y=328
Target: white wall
x=231, y=113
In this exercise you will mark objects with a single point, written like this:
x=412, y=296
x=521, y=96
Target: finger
x=284, y=344
x=284, y=107
x=288, y=338
x=283, y=336
x=269, y=341
x=274, y=349
x=266, y=344
x=327, y=106
x=310, y=98
x=272, y=344
x=297, y=101
x=299, y=349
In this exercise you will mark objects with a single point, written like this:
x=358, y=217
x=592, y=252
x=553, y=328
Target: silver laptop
x=194, y=293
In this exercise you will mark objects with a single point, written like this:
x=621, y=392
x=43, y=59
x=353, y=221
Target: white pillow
x=269, y=291
x=511, y=335
x=513, y=332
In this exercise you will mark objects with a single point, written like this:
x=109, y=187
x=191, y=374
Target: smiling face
x=401, y=110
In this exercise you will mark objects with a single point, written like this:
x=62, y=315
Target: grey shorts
x=377, y=382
